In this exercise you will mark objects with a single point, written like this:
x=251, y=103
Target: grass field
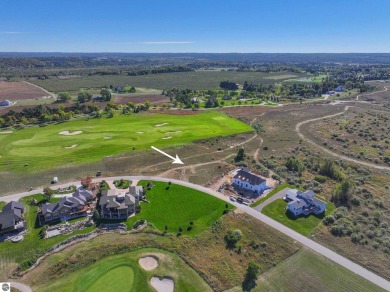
x=44, y=148
x=192, y=80
x=123, y=273
x=176, y=207
x=308, y=271
x=302, y=224
x=315, y=79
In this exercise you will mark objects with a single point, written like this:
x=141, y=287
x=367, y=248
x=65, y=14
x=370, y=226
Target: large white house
x=246, y=180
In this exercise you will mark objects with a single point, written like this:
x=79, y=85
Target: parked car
x=99, y=173
x=54, y=180
x=233, y=199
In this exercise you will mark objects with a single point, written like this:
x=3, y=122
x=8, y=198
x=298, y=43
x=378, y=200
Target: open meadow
x=83, y=140
x=193, y=80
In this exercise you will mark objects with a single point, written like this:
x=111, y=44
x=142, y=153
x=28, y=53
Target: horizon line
x=205, y=52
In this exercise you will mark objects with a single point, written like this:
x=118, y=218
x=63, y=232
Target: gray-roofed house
x=304, y=203
x=5, y=103
x=11, y=217
x=68, y=207
x=247, y=180
x=115, y=204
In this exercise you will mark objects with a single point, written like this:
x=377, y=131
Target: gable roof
x=13, y=205
x=136, y=191
x=249, y=177
x=7, y=220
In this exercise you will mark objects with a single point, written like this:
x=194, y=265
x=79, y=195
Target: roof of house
x=298, y=203
x=79, y=197
x=10, y=213
x=7, y=220
x=249, y=177
x=13, y=205
x=110, y=198
x=136, y=190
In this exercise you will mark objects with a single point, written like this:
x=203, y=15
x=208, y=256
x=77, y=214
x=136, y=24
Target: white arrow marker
x=175, y=160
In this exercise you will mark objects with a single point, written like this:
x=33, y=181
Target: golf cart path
x=340, y=156
x=357, y=269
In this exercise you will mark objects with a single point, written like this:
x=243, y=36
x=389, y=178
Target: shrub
x=329, y=220
x=233, y=237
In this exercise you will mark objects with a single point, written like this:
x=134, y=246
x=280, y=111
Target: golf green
x=88, y=140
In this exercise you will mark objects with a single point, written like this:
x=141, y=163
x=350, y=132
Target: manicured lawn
x=308, y=271
x=177, y=206
x=44, y=148
x=302, y=224
x=123, y=273
x=32, y=245
x=273, y=192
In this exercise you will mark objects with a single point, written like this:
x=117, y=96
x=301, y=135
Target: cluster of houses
x=298, y=203
x=113, y=204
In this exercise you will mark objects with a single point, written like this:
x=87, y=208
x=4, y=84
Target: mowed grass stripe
x=44, y=148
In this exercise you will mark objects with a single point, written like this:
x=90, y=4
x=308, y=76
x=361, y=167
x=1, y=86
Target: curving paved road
x=370, y=276
x=340, y=156
x=21, y=287
x=385, y=87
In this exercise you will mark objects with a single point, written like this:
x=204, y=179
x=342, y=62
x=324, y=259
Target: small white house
x=246, y=180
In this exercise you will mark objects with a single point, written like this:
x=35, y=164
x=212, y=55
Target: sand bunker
x=6, y=132
x=173, y=132
x=70, y=147
x=160, y=125
x=140, y=132
x=107, y=137
x=164, y=285
x=148, y=263
x=67, y=133
x=169, y=137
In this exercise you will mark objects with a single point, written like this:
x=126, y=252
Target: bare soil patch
x=67, y=133
x=166, y=138
x=15, y=91
x=160, y=125
x=70, y=147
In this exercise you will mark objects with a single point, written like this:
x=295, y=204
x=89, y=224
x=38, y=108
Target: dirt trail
x=48, y=92
x=340, y=156
x=385, y=89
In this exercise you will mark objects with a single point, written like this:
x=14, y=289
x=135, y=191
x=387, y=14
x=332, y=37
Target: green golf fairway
x=91, y=140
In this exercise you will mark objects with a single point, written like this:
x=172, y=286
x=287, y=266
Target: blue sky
x=195, y=26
